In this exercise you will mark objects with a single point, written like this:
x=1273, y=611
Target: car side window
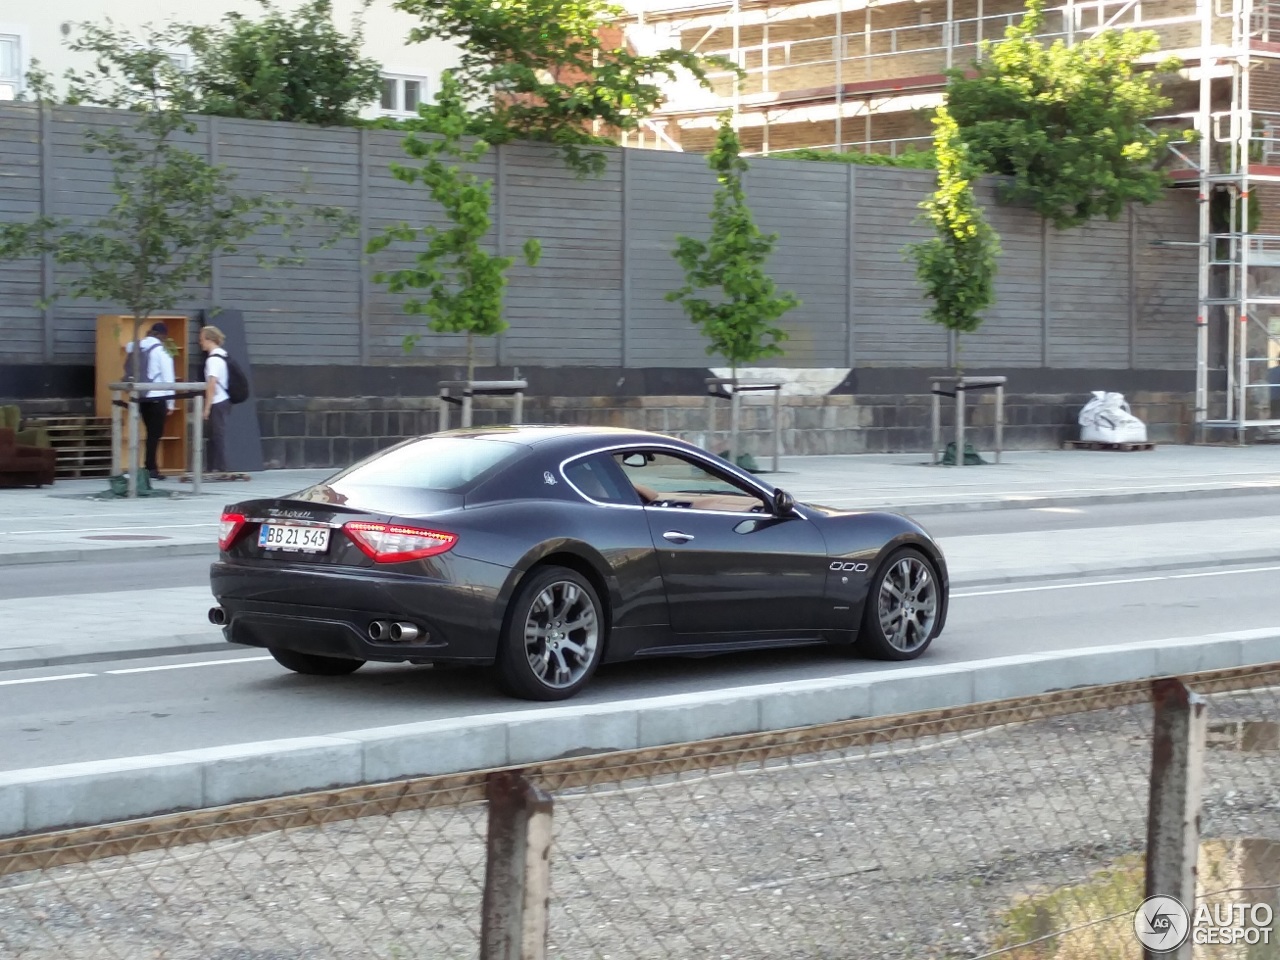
x=670, y=480
x=597, y=478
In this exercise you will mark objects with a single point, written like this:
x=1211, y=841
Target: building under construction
x=865, y=75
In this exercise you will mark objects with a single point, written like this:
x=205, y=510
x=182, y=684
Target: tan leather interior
x=701, y=501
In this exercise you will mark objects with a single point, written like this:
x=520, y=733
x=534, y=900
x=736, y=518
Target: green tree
x=550, y=70
x=957, y=267
x=463, y=282
x=294, y=66
x=1066, y=123
x=173, y=209
x=739, y=318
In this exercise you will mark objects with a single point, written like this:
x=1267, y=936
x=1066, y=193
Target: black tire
x=903, y=604
x=313, y=664
x=553, y=636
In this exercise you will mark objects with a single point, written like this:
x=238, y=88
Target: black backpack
x=237, y=382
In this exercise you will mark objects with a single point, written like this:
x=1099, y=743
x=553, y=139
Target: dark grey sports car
x=544, y=551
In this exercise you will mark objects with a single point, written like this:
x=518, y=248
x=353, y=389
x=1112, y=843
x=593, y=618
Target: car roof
x=562, y=437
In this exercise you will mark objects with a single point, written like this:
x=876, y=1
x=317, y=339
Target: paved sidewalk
x=58, y=525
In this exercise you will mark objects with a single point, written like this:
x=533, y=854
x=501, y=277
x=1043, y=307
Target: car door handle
x=677, y=536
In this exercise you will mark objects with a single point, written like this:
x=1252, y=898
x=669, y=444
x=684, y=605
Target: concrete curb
x=105, y=791
x=1079, y=571
x=29, y=658
x=76, y=555
x=1016, y=502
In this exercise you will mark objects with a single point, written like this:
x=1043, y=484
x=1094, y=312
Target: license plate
x=289, y=536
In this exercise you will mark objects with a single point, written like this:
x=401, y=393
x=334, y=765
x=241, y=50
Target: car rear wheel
x=553, y=638
x=902, y=608
x=314, y=664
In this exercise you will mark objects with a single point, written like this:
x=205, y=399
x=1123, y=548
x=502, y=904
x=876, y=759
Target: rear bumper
x=328, y=613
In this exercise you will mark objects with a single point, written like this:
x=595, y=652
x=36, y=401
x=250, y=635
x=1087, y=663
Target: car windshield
x=435, y=463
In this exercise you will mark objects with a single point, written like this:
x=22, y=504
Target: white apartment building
x=38, y=31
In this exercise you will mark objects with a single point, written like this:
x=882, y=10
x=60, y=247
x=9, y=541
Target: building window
x=10, y=66
x=401, y=95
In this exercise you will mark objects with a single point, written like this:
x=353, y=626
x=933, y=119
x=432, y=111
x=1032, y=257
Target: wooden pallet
x=83, y=445
x=1102, y=445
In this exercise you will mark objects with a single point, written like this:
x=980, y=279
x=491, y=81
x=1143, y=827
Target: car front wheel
x=314, y=664
x=553, y=638
x=901, y=612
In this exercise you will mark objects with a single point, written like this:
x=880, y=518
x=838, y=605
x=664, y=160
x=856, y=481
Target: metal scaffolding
x=1239, y=269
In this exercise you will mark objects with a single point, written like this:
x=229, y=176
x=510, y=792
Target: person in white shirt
x=154, y=408
x=217, y=401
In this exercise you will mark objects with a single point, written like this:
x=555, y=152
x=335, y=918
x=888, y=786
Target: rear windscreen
x=436, y=463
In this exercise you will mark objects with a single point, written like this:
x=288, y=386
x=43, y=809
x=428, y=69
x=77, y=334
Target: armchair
x=33, y=435
x=22, y=465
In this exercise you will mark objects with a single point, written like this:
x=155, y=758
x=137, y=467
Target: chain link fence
x=1016, y=829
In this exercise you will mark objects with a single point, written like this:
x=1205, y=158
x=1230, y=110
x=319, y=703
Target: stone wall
x=321, y=432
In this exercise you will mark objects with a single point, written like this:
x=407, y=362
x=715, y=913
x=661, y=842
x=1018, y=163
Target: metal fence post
x=117, y=464
x=517, y=883
x=935, y=423
x=197, y=442
x=134, y=421
x=1173, y=819
x=733, y=425
x=777, y=427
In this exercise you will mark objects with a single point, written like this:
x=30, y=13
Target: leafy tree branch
x=957, y=267
x=1066, y=123
x=557, y=71
x=173, y=210
x=739, y=320
x=462, y=283
x=291, y=66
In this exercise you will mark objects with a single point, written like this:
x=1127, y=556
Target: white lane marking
x=184, y=666
x=65, y=676
x=1110, y=583
x=1056, y=510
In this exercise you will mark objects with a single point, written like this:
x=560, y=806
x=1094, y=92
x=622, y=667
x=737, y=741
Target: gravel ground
x=914, y=849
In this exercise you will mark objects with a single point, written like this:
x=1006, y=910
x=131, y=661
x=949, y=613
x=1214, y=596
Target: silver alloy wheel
x=561, y=633
x=908, y=604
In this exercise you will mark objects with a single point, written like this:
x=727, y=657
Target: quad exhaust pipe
x=217, y=616
x=397, y=632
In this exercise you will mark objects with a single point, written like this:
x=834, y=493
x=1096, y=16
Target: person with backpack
x=154, y=407
x=217, y=398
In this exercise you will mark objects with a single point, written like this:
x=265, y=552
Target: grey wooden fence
x=1099, y=297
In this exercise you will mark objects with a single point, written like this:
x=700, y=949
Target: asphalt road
x=123, y=708
x=103, y=576
x=113, y=709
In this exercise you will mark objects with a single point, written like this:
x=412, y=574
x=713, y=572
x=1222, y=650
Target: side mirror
x=784, y=505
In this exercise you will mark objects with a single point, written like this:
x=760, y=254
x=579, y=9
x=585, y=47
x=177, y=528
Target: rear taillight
x=394, y=543
x=229, y=529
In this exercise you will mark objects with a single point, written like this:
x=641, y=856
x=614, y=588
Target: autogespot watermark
x=1163, y=924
